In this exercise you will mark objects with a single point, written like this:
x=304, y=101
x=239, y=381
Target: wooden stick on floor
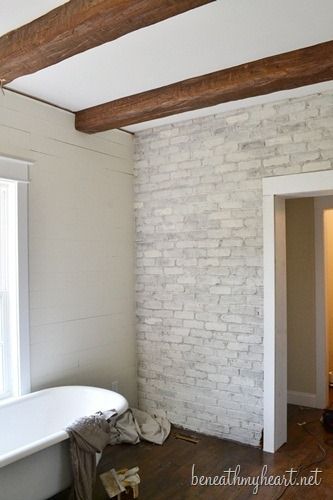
x=190, y=439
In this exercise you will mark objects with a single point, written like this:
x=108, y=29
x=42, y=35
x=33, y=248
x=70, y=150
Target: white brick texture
x=200, y=260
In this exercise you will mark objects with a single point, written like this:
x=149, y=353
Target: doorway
x=309, y=257
x=275, y=191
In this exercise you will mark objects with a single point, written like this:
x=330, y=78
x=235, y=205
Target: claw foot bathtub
x=34, y=447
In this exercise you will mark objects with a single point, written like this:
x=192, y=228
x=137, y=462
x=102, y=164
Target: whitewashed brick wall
x=199, y=256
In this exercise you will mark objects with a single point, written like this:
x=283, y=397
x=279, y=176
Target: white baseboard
x=302, y=399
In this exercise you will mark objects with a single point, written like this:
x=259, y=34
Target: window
x=8, y=288
x=14, y=341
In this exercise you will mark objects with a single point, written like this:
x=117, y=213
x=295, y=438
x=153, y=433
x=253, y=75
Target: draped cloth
x=90, y=435
x=136, y=425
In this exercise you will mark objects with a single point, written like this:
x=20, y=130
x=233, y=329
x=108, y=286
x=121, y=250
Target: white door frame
x=275, y=191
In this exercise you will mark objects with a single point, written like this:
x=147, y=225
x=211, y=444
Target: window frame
x=17, y=171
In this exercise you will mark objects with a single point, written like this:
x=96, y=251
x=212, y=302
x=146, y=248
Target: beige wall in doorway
x=301, y=295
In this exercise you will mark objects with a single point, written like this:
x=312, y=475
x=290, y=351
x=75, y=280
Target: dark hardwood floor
x=165, y=471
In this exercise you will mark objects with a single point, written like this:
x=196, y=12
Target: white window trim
x=17, y=170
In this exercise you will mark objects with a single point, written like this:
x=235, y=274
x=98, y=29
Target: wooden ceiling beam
x=77, y=26
x=281, y=72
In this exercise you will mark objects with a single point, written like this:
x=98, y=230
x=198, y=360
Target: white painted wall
x=80, y=246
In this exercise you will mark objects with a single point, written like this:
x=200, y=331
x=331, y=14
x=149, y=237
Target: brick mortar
x=199, y=259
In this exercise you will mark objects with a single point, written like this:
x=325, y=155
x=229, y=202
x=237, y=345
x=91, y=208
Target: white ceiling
x=219, y=35
x=15, y=13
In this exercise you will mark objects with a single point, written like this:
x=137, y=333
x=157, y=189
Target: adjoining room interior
x=328, y=243
x=166, y=248
x=306, y=257
x=309, y=253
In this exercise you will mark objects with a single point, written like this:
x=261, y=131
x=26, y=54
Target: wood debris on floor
x=188, y=438
x=116, y=482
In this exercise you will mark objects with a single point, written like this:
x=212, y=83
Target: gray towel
x=88, y=436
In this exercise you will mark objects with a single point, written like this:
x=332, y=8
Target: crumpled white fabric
x=136, y=425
